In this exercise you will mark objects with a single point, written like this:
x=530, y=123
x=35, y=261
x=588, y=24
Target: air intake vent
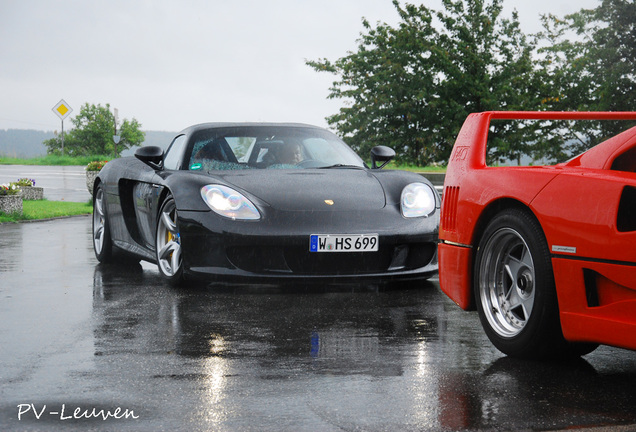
x=449, y=209
x=626, y=218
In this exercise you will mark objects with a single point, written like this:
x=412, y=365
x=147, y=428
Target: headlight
x=229, y=203
x=418, y=199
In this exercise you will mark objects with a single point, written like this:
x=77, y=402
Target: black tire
x=168, y=243
x=515, y=292
x=102, y=241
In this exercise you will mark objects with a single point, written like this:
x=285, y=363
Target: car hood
x=336, y=189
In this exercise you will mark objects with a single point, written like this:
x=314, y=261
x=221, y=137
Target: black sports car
x=265, y=201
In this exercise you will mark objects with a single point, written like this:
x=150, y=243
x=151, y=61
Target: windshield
x=267, y=147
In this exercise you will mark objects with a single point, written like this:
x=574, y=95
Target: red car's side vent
x=449, y=209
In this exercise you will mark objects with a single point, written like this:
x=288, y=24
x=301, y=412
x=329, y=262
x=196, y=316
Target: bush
x=24, y=182
x=9, y=189
x=95, y=165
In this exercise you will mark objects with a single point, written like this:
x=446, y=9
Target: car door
x=138, y=189
x=146, y=192
x=590, y=214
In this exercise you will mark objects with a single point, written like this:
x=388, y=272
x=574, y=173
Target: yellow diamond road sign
x=62, y=109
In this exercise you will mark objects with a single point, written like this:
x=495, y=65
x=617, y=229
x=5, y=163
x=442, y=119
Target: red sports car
x=546, y=254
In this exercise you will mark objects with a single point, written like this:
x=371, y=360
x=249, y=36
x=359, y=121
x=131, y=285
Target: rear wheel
x=168, y=243
x=102, y=242
x=514, y=289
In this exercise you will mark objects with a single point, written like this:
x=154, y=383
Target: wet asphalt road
x=77, y=337
x=60, y=183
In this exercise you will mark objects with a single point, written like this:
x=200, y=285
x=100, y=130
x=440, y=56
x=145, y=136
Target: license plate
x=343, y=243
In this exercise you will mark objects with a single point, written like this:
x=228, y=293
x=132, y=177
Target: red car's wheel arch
x=457, y=261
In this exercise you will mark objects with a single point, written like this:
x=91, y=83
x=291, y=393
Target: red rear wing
x=470, y=145
x=470, y=149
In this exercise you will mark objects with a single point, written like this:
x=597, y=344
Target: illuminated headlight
x=418, y=199
x=229, y=203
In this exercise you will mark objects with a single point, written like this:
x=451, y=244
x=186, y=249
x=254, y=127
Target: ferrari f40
x=546, y=254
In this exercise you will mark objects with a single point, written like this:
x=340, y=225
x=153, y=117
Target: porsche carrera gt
x=259, y=202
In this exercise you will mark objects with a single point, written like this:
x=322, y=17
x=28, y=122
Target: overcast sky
x=171, y=64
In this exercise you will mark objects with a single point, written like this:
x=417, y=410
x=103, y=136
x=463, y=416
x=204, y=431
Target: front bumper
x=278, y=247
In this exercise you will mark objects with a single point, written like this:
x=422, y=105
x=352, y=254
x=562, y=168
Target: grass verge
x=44, y=209
x=393, y=165
x=53, y=160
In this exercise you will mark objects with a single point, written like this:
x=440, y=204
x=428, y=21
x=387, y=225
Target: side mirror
x=382, y=154
x=151, y=156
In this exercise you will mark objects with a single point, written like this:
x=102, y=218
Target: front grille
x=302, y=261
x=299, y=261
x=258, y=259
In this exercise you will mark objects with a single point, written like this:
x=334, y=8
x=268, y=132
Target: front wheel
x=514, y=289
x=102, y=242
x=168, y=243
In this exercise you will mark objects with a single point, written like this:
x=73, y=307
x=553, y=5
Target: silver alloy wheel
x=507, y=282
x=168, y=240
x=99, y=221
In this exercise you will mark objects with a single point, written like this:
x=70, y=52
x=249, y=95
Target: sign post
x=116, y=137
x=62, y=110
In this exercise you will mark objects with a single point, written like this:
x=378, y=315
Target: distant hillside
x=23, y=143
x=27, y=143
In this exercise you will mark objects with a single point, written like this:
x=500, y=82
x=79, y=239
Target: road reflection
x=512, y=394
x=314, y=358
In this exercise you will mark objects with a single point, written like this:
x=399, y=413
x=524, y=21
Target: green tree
x=411, y=86
x=588, y=63
x=131, y=135
x=93, y=132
